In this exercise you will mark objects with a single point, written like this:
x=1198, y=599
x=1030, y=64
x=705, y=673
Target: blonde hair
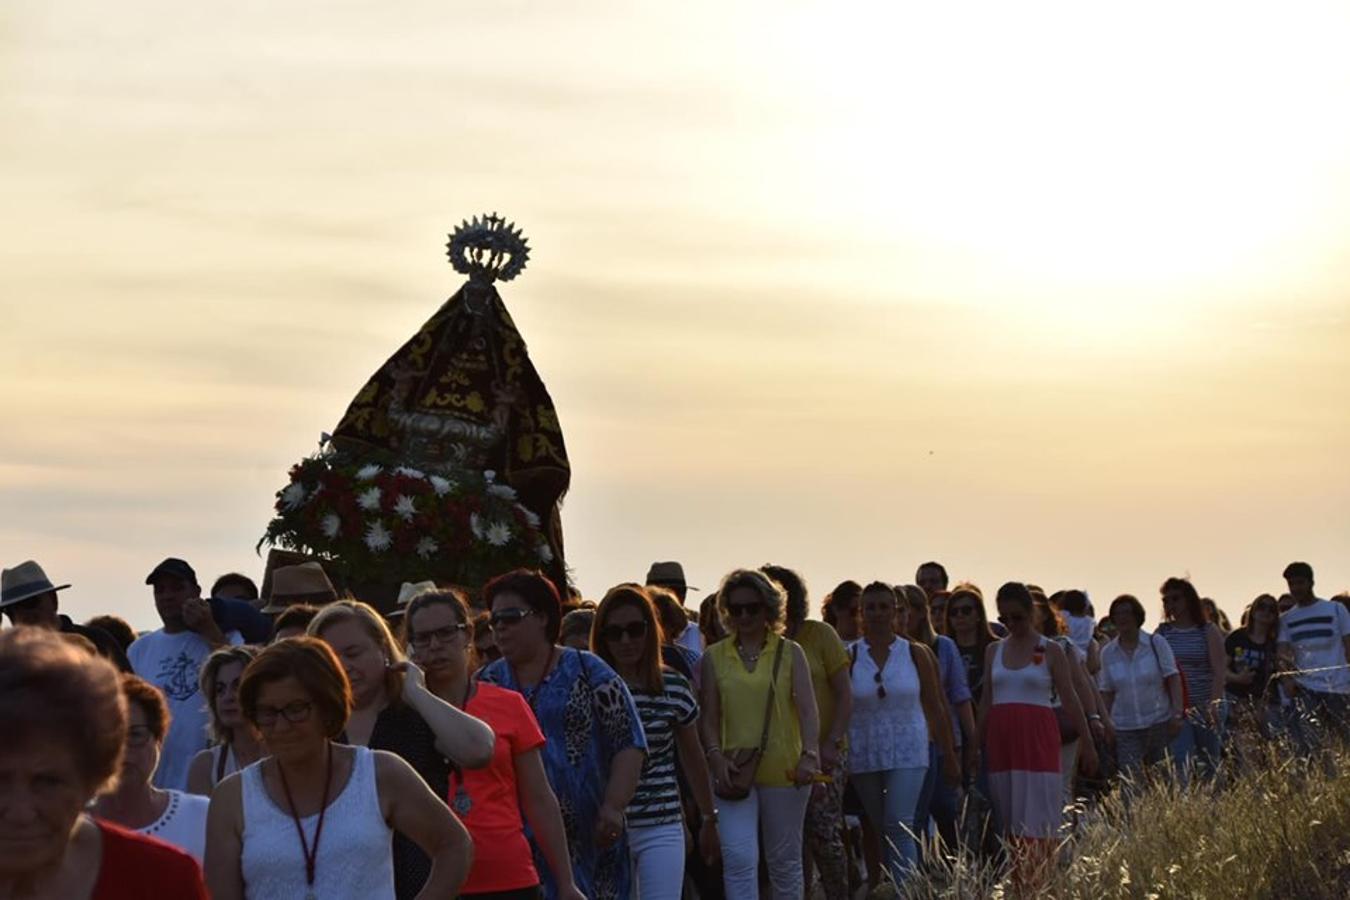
x=373, y=624
x=242, y=654
x=769, y=591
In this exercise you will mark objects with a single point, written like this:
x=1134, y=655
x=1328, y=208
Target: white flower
x=293, y=496
x=426, y=547
x=488, y=475
x=443, y=486
x=369, y=499
x=530, y=518
x=545, y=553
x=331, y=525
x=476, y=525
x=505, y=491
x=499, y=534
x=411, y=473
x=368, y=472
x=405, y=508
x=377, y=536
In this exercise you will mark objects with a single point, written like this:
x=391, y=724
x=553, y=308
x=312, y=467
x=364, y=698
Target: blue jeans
x=889, y=798
x=1314, y=715
x=657, y=852
x=938, y=801
x=1199, y=746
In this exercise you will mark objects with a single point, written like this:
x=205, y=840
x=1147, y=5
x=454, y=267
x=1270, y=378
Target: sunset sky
x=1046, y=291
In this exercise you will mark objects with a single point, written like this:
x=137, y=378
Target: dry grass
x=1280, y=832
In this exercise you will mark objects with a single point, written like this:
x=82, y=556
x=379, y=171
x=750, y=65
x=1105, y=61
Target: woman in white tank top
x=1020, y=735
x=316, y=818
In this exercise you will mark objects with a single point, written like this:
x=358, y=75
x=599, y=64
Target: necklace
x=311, y=853
x=461, y=802
x=533, y=696
x=750, y=658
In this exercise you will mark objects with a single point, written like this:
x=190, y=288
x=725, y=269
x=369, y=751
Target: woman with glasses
x=236, y=745
x=174, y=817
x=314, y=818
x=757, y=695
x=897, y=705
x=1251, y=659
x=627, y=635
x=490, y=801
x=968, y=627
x=939, y=799
x=595, y=745
x=1020, y=735
x=1141, y=688
x=1197, y=645
x=393, y=710
x=841, y=610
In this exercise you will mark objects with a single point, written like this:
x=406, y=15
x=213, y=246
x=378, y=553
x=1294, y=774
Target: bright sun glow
x=1113, y=163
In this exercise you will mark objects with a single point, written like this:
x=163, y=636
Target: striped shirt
x=1317, y=632
x=657, y=800
x=1190, y=647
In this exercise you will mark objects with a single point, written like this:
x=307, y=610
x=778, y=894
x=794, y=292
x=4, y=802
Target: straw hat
x=306, y=583
x=24, y=582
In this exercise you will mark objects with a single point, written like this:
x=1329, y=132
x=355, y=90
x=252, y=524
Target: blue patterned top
x=587, y=716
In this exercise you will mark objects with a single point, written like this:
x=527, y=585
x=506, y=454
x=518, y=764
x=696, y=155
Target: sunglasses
x=439, y=635
x=957, y=612
x=512, y=616
x=1008, y=620
x=634, y=630
x=737, y=610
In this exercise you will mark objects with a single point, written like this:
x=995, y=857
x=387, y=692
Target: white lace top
x=887, y=732
x=355, y=857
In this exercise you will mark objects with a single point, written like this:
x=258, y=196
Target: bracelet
x=711, y=750
x=710, y=818
x=1094, y=717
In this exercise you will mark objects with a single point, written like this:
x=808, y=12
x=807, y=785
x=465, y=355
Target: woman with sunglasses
x=490, y=801
x=236, y=745
x=394, y=711
x=897, y=705
x=968, y=627
x=1020, y=735
x=1251, y=659
x=627, y=635
x=174, y=817
x=316, y=817
x=595, y=745
x=1197, y=645
x=757, y=694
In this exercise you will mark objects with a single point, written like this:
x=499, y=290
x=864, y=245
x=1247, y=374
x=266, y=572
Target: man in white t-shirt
x=1315, y=643
x=171, y=659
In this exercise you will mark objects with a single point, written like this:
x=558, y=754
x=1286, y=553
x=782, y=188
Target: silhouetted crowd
x=521, y=742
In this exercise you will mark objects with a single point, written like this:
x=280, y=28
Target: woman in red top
x=65, y=726
x=489, y=801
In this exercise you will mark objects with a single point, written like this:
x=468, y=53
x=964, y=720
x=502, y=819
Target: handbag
x=746, y=760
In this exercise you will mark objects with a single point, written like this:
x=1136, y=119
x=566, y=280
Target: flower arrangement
x=372, y=522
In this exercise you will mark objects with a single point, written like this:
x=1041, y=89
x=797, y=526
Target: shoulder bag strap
x=773, y=683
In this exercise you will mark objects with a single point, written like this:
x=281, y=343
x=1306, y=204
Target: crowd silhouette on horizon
x=520, y=741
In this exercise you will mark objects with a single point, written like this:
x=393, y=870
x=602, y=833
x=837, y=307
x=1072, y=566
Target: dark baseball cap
x=172, y=566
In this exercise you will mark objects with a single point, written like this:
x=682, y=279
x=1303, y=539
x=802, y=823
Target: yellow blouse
x=744, y=694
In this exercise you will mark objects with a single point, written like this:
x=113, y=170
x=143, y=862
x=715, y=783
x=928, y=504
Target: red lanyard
x=311, y=853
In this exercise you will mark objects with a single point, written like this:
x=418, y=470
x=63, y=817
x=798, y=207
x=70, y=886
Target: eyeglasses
x=736, y=610
x=139, y=735
x=958, y=612
x=439, y=635
x=294, y=712
x=1008, y=620
x=513, y=616
x=634, y=630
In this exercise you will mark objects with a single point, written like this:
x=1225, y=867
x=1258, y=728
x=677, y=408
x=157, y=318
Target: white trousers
x=657, y=852
x=781, y=813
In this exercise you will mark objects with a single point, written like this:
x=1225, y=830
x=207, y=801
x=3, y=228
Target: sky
x=1055, y=292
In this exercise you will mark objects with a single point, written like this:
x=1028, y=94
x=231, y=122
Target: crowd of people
x=521, y=742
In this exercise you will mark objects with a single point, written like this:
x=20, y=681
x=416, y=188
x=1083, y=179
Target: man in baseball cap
x=28, y=597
